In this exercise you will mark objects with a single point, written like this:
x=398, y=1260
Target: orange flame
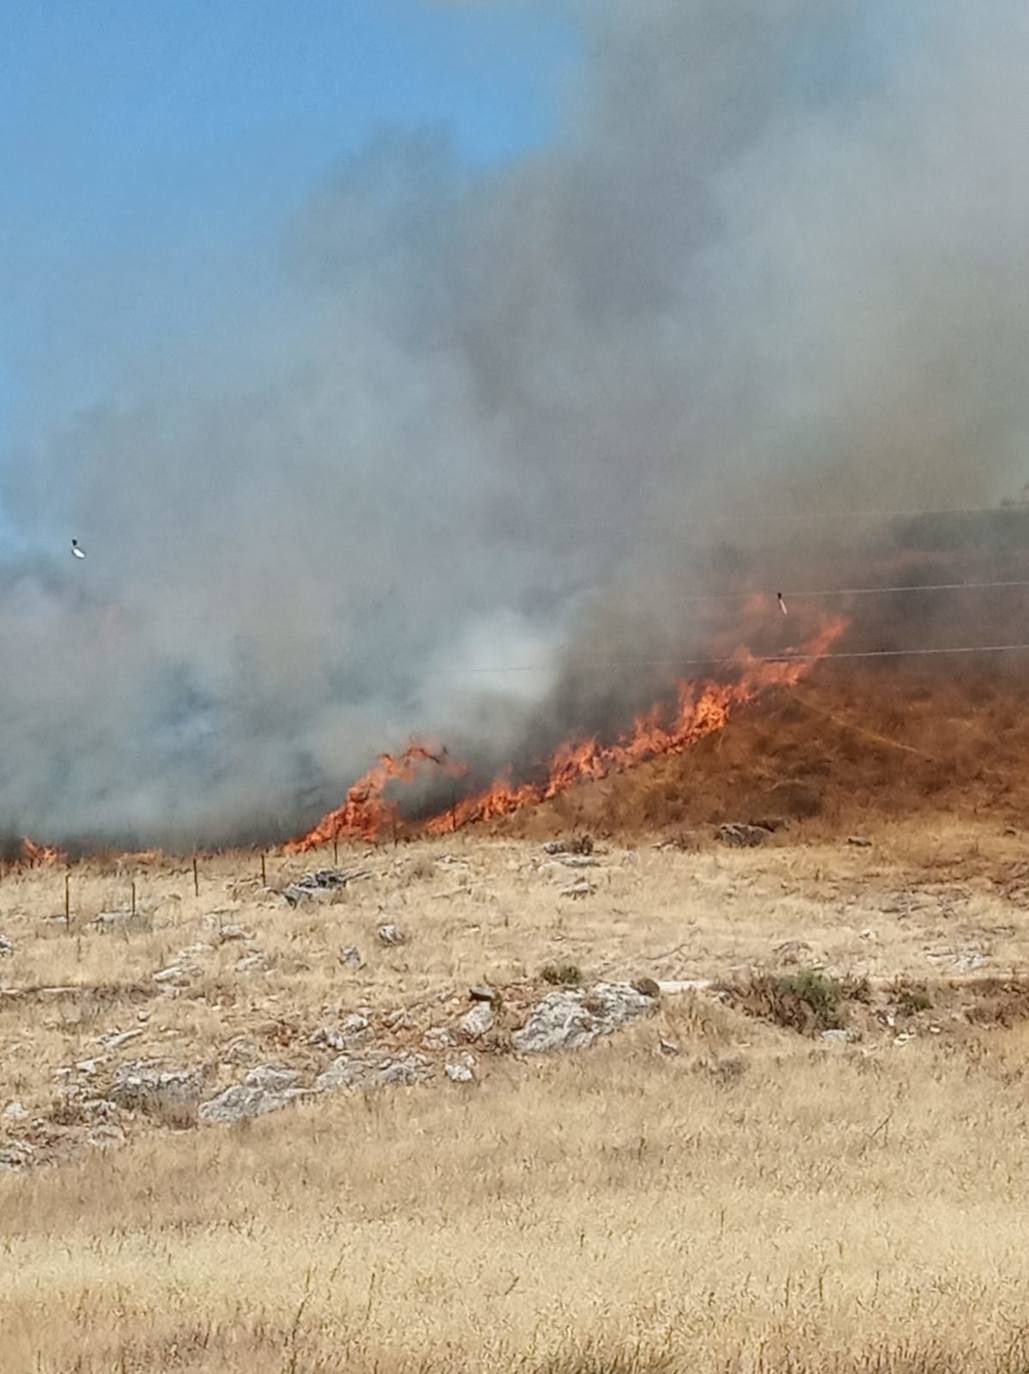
x=363, y=813
x=38, y=855
x=702, y=709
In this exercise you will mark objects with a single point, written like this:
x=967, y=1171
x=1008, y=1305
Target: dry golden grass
x=618, y=1210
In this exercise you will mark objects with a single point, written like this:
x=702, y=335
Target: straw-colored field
x=749, y=1196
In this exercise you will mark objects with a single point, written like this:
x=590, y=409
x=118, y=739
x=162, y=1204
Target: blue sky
x=146, y=145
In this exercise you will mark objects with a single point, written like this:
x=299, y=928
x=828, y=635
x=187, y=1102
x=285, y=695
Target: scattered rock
x=583, y=888
x=251, y=963
x=329, y=1039
x=460, y=1073
x=321, y=884
x=146, y=1085
x=175, y=976
x=668, y=1047
x=6, y=947
x=570, y=1020
x=391, y=935
x=116, y=1039
x=578, y=860
x=648, y=987
x=793, y=951
x=477, y=1022
x=350, y=957
x=404, y=1071
x=482, y=993
x=356, y=1023
x=837, y=1037
x=740, y=836
x=271, y=1078
x=240, y=1051
x=244, y=1103
x=14, y=1111
x=343, y=1072
x=229, y=934
x=860, y=841
x=438, y=1038
x=17, y=1155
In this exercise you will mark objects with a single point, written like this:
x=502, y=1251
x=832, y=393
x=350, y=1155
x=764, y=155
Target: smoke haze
x=776, y=261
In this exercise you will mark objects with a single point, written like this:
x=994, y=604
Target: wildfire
x=364, y=813
x=38, y=855
x=701, y=709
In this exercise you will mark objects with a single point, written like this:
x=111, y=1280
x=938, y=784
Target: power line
x=859, y=591
x=737, y=661
x=911, y=513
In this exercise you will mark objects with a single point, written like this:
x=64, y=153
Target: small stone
x=477, y=1022
x=438, y=1038
x=250, y=963
x=117, y=1039
x=355, y=1023
x=87, y=1066
x=228, y=934
x=331, y=1039
x=392, y=935
x=172, y=975
x=403, y=1072
x=583, y=888
x=6, y=947
x=647, y=987
x=341, y=1073
x=271, y=1078
x=351, y=957
x=460, y=1073
x=860, y=841
x=14, y=1111
x=482, y=993
x=240, y=1051
x=836, y=1037
x=668, y=1047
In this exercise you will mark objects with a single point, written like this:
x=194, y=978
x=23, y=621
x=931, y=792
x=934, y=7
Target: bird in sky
x=782, y=604
x=76, y=551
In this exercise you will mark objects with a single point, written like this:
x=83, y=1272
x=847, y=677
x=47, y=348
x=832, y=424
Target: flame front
x=701, y=709
x=364, y=812
x=38, y=855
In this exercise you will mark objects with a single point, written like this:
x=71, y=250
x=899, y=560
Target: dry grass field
x=716, y=1185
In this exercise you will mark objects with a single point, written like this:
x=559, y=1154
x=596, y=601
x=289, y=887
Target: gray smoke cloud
x=774, y=261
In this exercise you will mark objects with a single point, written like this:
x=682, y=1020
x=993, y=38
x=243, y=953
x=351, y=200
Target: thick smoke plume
x=775, y=262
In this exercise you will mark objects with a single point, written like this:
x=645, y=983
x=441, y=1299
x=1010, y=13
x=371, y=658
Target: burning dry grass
x=618, y=1211
x=849, y=746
